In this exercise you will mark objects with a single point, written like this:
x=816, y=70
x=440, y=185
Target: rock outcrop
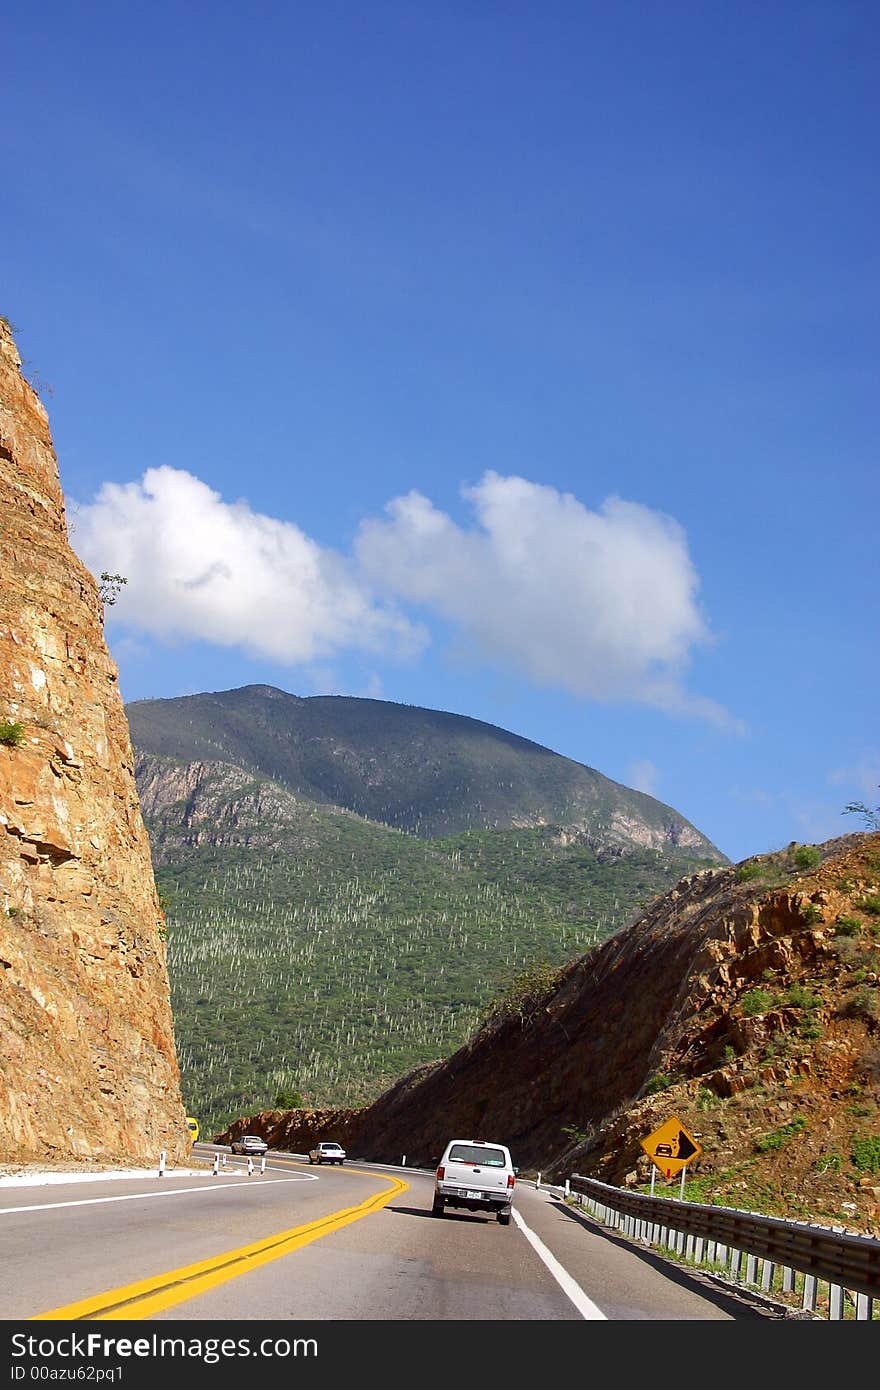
x=88, y=1065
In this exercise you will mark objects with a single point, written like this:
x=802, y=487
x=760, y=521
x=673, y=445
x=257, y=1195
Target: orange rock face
x=88, y=1066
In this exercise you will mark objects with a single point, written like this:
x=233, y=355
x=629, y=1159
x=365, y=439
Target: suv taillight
x=441, y=1173
x=510, y=1180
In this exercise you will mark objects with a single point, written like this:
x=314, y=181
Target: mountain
x=744, y=1002
x=315, y=949
x=426, y=772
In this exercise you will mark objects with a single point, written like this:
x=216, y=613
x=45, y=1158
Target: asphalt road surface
x=299, y=1247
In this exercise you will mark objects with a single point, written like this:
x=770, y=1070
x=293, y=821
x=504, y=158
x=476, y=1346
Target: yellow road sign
x=671, y=1147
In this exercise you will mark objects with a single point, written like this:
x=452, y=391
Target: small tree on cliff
x=870, y=815
x=110, y=585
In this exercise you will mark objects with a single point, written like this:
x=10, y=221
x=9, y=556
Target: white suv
x=477, y=1175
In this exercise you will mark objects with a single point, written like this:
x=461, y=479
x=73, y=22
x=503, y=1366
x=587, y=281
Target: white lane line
x=585, y=1306
x=139, y=1196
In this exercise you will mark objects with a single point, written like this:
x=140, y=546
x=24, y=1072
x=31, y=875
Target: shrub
x=801, y=998
x=781, y=1136
x=807, y=857
x=757, y=1001
x=871, y=903
x=524, y=993
x=847, y=926
x=661, y=1083
x=288, y=1100
x=861, y=1003
x=577, y=1136
x=828, y=1163
x=751, y=870
x=812, y=913
x=11, y=733
x=866, y=1154
x=860, y=1110
x=810, y=1031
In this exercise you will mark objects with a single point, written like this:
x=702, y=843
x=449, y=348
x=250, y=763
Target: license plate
x=475, y=1195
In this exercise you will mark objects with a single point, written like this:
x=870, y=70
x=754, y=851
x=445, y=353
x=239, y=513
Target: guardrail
x=738, y=1242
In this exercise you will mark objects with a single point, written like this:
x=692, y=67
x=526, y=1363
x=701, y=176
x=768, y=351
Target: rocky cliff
x=745, y=1002
x=88, y=1066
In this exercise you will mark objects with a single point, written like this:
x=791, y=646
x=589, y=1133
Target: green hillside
x=331, y=972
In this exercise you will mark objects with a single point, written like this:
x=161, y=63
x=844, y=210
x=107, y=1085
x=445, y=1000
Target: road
x=355, y=1243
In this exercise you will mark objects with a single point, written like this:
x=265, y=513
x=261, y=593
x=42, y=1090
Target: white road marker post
x=250, y=1166
x=216, y=1169
x=162, y=1164
x=263, y=1164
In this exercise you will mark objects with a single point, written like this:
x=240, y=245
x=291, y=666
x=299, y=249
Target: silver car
x=328, y=1151
x=249, y=1144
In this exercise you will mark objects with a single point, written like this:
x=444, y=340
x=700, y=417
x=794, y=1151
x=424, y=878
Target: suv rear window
x=470, y=1153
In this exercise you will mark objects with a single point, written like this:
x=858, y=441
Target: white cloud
x=601, y=604
x=201, y=568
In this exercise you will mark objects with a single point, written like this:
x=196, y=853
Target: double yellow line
x=151, y=1296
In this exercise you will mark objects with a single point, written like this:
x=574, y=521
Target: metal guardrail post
x=835, y=1303
x=809, y=1300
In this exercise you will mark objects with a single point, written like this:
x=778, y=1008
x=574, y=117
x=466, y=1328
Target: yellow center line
x=150, y=1296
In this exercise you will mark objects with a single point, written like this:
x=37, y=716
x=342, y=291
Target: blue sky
x=510, y=359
